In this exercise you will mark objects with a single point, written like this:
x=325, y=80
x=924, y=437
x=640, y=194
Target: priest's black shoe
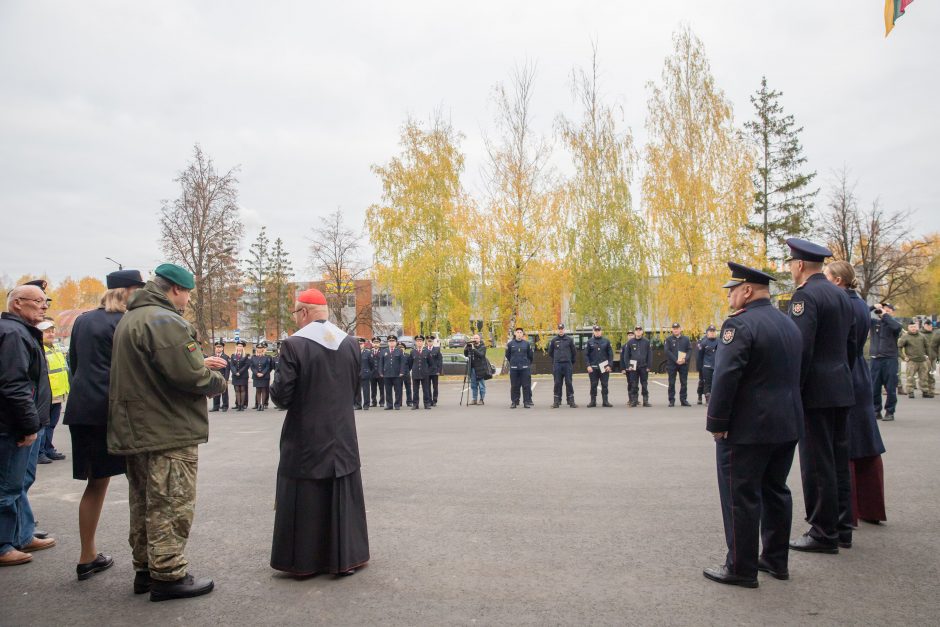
x=183, y=588
x=764, y=567
x=100, y=563
x=809, y=544
x=721, y=574
x=142, y=582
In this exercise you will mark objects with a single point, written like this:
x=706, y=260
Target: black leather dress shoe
x=183, y=588
x=100, y=563
x=56, y=456
x=764, y=567
x=142, y=582
x=39, y=533
x=845, y=540
x=809, y=544
x=721, y=574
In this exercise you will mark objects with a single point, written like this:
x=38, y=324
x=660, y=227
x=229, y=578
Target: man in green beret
x=157, y=418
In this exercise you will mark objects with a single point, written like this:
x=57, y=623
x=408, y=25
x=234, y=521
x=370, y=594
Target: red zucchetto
x=312, y=297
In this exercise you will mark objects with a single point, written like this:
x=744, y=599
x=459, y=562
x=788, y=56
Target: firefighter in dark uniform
x=519, y=354
x=241, y=365
x=420, y=365
x=678, y=364
x=392, y=366
x=437, y=363
x=261, y=365
x=706, y=361
x=563, y=353
x=599, y=351
x=376, y=385
x=223, y=397
x=636, y=358
x=823, y=313
x=366, y=372
x=755, y=415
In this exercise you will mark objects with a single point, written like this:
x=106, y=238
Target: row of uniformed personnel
x=389, y=369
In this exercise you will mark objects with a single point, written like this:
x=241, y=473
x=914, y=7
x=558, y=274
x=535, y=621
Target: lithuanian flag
x=893, y=10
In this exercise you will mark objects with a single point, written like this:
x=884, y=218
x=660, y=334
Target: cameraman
x=475, y=352
x=883, y=348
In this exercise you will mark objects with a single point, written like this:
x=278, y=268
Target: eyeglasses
x=38, y=301
x=298, y=310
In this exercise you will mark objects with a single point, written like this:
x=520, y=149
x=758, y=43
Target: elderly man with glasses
x=25, y=399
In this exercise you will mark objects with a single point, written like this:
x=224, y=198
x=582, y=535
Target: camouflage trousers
x=918, y=370
x=162, y=497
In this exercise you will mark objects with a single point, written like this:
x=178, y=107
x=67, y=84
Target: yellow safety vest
x=58, y=375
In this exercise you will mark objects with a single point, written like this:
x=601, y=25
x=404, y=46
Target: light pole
x=120, y=267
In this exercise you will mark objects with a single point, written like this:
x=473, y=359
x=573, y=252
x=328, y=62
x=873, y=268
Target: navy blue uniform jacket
x=519, y=354
x=392, y=363
x=756, y=385
x=90, y=367
x=561, y=349
x=673, y=346
x=367, y=364
x=420, y=363
x=864, y=436
x=598, y=350
x=823, y=313
x=638, y=349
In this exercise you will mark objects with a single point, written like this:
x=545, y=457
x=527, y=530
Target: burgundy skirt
x=868, y=489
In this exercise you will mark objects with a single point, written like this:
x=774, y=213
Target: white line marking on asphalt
x=662, y=384
x=534, y=384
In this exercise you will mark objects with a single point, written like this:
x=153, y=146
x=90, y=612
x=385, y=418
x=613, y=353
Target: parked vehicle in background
x=457, y=340
x=406, y=341
x=455, y=364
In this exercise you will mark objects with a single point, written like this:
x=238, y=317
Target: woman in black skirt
x=261, y=375
x=240, y=366
x=87, y=412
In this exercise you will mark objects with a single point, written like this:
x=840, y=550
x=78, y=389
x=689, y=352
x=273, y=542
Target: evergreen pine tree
x=783, y=199
x=280, y=287
x=257, y=276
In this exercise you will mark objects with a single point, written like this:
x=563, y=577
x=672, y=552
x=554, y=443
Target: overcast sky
x=101, y=102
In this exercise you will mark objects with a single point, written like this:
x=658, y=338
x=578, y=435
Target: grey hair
x=17, y=292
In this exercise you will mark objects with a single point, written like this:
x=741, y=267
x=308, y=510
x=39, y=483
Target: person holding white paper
x=678, y=347
x=599, y=356
x=636, y=356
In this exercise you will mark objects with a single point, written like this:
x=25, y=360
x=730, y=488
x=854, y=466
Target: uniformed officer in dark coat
x=600, y=357
x=519, y=354
x=223, y=397
x=823, y=313
x=437, y=367
x=240, y=365
x=678, y=364
x=261, y=366
x=636, y=358
x=377, y=385
x=563, y=353
x=755, y=416
x=420, y=365
x=366, y=372
x=705, y=361
x=392, y=366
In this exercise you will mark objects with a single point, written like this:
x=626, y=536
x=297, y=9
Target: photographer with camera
x=883, y=348
x=477, y=366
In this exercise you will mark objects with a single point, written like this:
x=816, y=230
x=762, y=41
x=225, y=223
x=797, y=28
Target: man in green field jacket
x=157, y=417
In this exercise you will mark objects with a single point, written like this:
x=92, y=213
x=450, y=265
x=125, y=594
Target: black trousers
x=563, y=373
x=595, y=376
x=520, y=379
x=824, y=465
x=365, y=385
x=433, y=379
x=634, y=379
x=884, y=374
x=707, y=376
x=392, y=390
x=755, y=503
x=683, y=383
x=223, y=397
x=416, y=386
x=406, y=382
x=378, y=391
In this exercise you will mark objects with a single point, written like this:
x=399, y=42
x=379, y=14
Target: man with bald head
x=25, y=399
x=320, y=519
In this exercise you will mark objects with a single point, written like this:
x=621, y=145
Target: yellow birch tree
x=697, y=189
x=419, y=229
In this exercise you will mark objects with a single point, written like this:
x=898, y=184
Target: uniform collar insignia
x=325, y=334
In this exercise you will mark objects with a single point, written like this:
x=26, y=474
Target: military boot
x=572, y=404
x=183, y=588
x=557, y=403
x=606, y=401
x=646, y=402
x=699, y=399
x=593, y=402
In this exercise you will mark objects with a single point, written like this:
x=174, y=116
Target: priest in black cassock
x=320, y=519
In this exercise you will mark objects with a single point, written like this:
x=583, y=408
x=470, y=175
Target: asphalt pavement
x=487, y=515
